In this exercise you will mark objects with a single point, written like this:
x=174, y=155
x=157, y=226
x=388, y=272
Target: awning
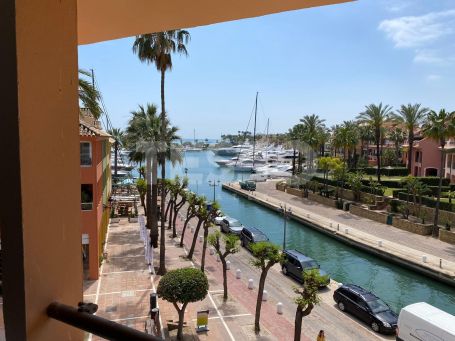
x=100, y=20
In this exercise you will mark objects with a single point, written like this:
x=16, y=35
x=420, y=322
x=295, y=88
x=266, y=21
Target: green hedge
x=395, y=171
x=430, y=202
x=335, y=183
x=433, y=180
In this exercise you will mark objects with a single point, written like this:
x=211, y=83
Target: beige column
x=40, y=199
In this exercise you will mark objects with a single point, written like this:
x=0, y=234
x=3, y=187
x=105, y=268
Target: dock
x=428, y=264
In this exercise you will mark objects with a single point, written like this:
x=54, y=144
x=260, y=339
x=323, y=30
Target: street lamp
x=214, y=184
x=286, y=213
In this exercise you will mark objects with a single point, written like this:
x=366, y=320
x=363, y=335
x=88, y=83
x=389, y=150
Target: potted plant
x=114, y=217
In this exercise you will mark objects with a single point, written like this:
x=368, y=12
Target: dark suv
x=367, y=307
x=296, y=262
x=251, y=235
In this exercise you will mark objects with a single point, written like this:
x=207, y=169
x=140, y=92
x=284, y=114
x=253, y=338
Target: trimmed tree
x=230, y=245
x=307, y=299
x=265, y=255
x=190, y=213
x=141, y=186
x=210, y=215
x=180, y=287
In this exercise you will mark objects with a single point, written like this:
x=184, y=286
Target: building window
x=86, y=197
x=86, y=153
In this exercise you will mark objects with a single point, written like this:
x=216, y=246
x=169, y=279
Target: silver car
x=231, y=225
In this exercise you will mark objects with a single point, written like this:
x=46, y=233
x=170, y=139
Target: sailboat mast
x=267, y=142
x=254, y=130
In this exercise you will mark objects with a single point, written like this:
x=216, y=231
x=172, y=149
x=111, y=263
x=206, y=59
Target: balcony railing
x=83, y=318
x=86, y=160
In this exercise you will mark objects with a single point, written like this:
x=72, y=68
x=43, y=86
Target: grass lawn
x=389, y=191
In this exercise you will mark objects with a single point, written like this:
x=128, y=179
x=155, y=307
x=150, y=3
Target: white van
x=423, y=322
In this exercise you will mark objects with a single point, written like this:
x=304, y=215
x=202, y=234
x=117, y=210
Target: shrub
x=434, y=181
x=393, y=171
x=430, y=202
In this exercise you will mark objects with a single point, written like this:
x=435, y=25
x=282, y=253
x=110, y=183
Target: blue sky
x=330, y=60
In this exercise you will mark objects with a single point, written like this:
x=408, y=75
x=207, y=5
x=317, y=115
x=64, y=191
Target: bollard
x=440, y=263
x=238, y=274
x=331, y=225
x=340, y=285
x=307, y=215
x=228, y=265
x=265, y=295
x=218, y=258
x=192, y=229
x=279, y=308
x=346, y=230
x=212, y=251
x=250, y=283
x=338, y=227
x=380, y=243
x=201, y=238
x=424, y=258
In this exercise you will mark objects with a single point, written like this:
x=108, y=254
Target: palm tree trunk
x=174, y=221
x=115, y=158
x=298, y=323
x=378, y=156
x=411, y=148
x=257, y=317
x=193, y=244
x=162, y=269
x=435, y=231
x=204, y=245
x=152, y=198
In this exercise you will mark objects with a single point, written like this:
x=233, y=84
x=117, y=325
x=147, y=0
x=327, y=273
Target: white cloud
x=433, y=78
x=429, y=57
x=396, y=6
x=417, y=31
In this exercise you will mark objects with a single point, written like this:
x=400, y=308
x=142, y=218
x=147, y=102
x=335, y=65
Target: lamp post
x=286, y=212
x=214, y=184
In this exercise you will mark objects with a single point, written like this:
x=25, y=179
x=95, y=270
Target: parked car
x=219, y=219
x=231, y=225
x=367, y=307
x=248, y=185
x=251, y=235
x=421, y=321
x=295, y=263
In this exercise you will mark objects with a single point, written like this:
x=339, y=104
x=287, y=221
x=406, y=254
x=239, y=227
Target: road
x=336, y=324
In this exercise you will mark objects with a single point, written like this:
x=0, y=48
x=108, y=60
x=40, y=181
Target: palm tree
x=375, y=116
x=144, y=130
x=397, y=136
x=118, y=136
x=88, y=95
x=411, y=116
x=439, y=126
x=157, y=48
x=312, y=125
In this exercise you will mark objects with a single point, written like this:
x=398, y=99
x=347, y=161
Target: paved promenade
x=123, y=289
x=396, y=242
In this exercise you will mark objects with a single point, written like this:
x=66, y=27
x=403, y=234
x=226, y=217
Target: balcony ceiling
x=100, y=20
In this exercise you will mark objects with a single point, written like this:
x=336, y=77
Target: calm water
x=397, y=286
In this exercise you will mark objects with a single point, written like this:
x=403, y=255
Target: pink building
x=425, y=159
x=450, y=160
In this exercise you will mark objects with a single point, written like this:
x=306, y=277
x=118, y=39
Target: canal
x=396, y=285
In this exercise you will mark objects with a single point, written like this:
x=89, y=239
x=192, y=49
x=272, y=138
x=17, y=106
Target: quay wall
x=433, y=272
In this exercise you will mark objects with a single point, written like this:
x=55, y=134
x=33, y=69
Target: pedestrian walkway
x=123, y=289
x=124, y=286
x=396, y=242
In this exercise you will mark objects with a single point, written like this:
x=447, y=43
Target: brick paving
x=123, y=288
